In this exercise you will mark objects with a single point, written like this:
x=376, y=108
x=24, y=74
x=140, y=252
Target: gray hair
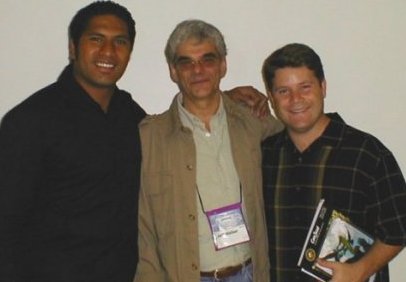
x=196, y=29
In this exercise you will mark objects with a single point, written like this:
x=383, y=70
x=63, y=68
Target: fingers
x=261, y=106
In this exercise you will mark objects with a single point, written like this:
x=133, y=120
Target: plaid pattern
x=352, y=170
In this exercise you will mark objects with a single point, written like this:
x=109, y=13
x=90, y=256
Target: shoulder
x=234, y=108
x=153, y=124
x=136, y=109
x=155, y=119
x=348, y=138
x=243, y=115
x=239, y=114
x=274, y=141
x=365, y=151
x=34, y=106
x=364, y=140
x=27, y=119
x=155, y=131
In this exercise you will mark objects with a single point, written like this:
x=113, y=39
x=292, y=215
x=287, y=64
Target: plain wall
x=361, y=43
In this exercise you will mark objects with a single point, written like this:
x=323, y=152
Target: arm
x=19, y=173
x=250, y=97
x=258, y=102
x=378, y=256
x=149, y=267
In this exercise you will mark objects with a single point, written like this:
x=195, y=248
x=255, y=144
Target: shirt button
x=189, y=167
x=191, y=217
x=194, y=266
x=299, y=160
x=298, y=188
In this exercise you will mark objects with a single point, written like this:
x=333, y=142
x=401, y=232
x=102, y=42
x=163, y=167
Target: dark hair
x=291, y=55
x=197, y=29
x=81, y=20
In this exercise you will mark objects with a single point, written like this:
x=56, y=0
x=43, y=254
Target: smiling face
x=297, y=98
x=198, y=70
x=102, y=54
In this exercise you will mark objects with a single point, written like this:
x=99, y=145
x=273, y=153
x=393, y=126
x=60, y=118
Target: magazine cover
x=332, y=237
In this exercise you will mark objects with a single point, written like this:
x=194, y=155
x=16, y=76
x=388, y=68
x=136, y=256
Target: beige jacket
x=168, y=239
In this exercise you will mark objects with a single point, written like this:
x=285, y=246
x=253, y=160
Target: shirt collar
x=77, y=93
x=191, y=121
x=332, y=135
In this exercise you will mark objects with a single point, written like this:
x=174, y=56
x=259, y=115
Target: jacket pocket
x=160, y=195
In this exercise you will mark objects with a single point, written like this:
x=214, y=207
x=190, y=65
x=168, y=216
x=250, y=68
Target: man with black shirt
x=70, y=161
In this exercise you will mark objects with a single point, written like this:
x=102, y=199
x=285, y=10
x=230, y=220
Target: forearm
x=20, y=165
x=377, y=257
x=10, y=242
x=272, y=126
x=252, y=98
x=149, y=268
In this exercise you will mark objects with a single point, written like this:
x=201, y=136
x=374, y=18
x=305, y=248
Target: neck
x=101, y=96
x=204, y=109
x=303, y=140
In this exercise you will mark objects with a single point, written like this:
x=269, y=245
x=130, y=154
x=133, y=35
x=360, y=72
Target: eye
x=122, y=41
x=306, y=87
x=282, y=91
x=209, y=59
x=182, y=62
x=95, y=38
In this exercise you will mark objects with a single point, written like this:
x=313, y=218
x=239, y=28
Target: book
x=332, y=237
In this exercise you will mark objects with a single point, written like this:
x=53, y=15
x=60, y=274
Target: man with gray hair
x=201, y=214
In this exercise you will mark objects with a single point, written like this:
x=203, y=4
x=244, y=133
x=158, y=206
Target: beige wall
x=362, y=45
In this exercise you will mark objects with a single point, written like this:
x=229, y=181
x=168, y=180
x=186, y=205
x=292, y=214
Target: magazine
x=334, y=238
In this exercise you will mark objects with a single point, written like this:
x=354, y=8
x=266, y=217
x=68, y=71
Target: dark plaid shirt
x=352, y=170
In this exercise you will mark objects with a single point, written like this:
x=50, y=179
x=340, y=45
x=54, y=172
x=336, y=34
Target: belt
x=225, y=272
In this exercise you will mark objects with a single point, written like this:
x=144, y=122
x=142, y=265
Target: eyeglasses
x=188, y=64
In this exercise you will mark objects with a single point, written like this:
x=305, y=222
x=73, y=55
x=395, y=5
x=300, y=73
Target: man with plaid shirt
x=319, y=156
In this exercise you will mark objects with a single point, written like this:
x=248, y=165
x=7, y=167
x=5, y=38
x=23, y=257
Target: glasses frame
x=208, y=60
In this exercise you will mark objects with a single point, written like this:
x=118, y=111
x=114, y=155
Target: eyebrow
x=210, y=54
x=98, y=33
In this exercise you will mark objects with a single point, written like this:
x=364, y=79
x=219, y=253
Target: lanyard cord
x=201, y=202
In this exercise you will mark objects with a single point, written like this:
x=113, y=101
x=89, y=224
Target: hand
x=344, y=272
x=251, y=97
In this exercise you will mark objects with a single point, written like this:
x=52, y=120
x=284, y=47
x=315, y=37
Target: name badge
x=228, y=226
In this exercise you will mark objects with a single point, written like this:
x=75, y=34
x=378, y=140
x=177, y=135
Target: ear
x=270, y=97
x=72, y=50
x=324, y=88
x=173, y=73
x=223, y=67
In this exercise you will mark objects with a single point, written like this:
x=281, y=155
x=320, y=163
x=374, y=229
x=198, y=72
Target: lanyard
x=201, y=202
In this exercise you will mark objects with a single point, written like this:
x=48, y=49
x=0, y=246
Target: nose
x=107, y=48
x=197, y=66
x=296, y=96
